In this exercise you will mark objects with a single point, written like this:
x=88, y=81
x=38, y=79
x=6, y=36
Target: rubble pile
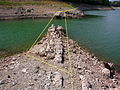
x=20, y=72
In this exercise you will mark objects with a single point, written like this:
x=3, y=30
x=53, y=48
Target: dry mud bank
x=45, y=11
x=33, y=12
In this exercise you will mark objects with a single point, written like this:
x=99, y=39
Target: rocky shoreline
x=34, y=12
x=21, y=72
x=37, y=12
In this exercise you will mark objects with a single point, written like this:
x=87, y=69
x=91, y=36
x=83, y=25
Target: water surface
x=99, y=32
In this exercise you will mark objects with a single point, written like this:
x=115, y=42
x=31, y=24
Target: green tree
x=100, y=2
x=115, y=3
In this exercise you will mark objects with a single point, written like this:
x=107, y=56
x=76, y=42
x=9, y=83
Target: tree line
x=115, y=3
x=93, y=2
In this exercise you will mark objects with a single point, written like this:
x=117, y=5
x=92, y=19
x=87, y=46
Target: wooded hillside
x=115, y=3
x=93, y=2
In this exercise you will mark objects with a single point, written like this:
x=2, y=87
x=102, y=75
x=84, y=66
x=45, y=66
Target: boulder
x=24, y=70
x=50, y=55
x=58, y=58
x=57, y=79
x=60, y=28
x=85, y=84
x=52, y=28
x=106, y=72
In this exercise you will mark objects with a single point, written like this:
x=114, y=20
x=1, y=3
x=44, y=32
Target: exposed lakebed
x=99, y=32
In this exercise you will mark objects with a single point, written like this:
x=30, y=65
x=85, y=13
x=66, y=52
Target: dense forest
x=94, y=2
x=115, y=3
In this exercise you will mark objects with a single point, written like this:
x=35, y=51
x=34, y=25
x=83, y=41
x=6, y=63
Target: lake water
x=99, y=32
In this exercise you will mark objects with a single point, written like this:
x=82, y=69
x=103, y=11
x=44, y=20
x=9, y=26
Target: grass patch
x=9, y=3
x=45, y=2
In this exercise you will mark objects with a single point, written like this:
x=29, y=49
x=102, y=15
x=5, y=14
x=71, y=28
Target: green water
x=99, y=32
x=16, y=36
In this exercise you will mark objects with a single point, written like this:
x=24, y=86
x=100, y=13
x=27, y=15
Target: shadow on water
x=5, y=53
x=91, y=16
